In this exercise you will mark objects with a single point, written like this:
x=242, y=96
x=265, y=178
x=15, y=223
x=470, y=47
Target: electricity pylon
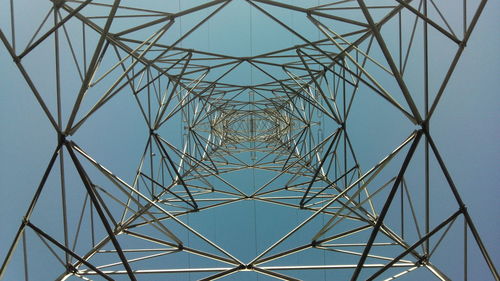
x=270, y=131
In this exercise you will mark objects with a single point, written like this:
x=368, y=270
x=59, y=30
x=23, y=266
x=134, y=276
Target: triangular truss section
x=265, y=142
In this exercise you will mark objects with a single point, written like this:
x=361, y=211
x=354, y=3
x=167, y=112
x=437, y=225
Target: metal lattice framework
x=270, y=131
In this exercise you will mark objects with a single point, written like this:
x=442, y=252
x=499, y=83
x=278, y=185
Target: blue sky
x=465, y=128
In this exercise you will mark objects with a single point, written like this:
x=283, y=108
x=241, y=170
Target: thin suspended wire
x=253, y=158
x=321, y=129
x=187, y=215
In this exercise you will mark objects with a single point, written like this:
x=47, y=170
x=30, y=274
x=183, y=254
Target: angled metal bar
x=311, y=12
x=318, y=169
x=376, y=88
x=126, y=187
x=179, y=176
x=54, y=28
x=29, y=211
x=72, y=50
x=62, y=179
x=414, y=246
x=390, y=61
x=30, y=83
x=222, y=274
x=12, y=25
x=93, y=64
x=268, y=272
x=312, y=244
x=387, y=204
x=455, y=59
x=310, y=100
x=335, y=198
x=318, y=87
x=181, y=248
x=166, y=189
x=38, y=29
x=66, y=250
x=330, y=184
x=88, y=185
x=283, y=170
x=430, y=22
x=197, y=95
x=143, y=209
x=461, y=204
x=164, y=105
x=110, y=93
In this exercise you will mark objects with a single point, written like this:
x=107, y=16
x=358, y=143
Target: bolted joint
x=424, y=260
x=463, y=208
x=119, y=228
x=424, y=124
x=249, y=266
x=58, y=3
x=62, y=138
x=71, y=269
x=242, y=267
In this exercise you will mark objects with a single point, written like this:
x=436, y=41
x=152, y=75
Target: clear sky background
x=465, y=128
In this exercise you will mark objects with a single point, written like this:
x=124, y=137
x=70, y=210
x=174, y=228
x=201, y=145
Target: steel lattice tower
x=266, y=143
